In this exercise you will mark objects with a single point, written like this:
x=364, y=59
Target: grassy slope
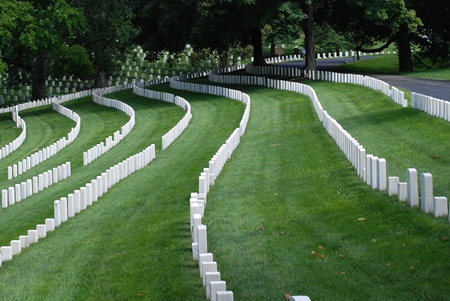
x=388, y=64
x=288, y=192
x=404, y=136
x=134, y=243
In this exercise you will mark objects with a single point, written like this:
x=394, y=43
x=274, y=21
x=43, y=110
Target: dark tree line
x=89, y=38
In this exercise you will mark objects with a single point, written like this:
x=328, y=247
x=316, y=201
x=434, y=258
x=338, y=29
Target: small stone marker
x=440, y=206
x=402, y=191
x=393, y=185
x=210, y=276
x=412, y=187
x=224, y=296
x=217, y=286
x=426, y=192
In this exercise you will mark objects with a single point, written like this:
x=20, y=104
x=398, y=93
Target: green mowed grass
x=8, y=129
x=289, y=215
x=406, y=137
x=134, y=243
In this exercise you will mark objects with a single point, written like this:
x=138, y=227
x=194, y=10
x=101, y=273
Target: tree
x=108, y=35
x=435, y=38
x=309, y=29
x=214, y=24
x=39, y=30
x=372, y=21
x=286, y=26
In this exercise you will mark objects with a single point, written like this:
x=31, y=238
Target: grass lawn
x=406, y=137
x=134, y=243
x=289, y=215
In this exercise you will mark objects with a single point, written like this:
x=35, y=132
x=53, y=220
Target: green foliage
x=72, y=60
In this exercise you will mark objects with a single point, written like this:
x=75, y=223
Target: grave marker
x=426, y=192
x=412, y=187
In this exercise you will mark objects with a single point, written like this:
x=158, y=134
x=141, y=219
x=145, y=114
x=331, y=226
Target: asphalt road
x=435, y=88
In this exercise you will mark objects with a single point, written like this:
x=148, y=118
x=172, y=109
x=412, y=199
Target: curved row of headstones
x=431, y=105
x=42, y=155
x=215, y=287
x=80, y=199
x=169, y=137
x=367, y=81
x=369, y=167
x=25, y=189
x=101, y=148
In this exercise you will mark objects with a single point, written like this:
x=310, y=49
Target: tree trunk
x=404, y=49
x=38, y=76
x=223, y=57
x=258, y=58
x=99, y=79
x=272, y=48
x=309, y=27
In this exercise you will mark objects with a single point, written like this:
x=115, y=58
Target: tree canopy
x=88, y=38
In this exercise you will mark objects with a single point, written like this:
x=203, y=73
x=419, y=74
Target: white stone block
x=374, y=172
x=64, y=206
x=77, y=201
x=70, y=205
x=210, y=276
x=6, y=253
x=195, y=250
x=202, y=239
x=381, y=173
x=225, y=296
x=41, y=231
x=4, y=198
x=440, y=206
x=16, y=247
x=426, y=192
x=83, y=203
x=11, y=196
x=32, y=236
x=393, y=185
x=206, y=257
x=35, y=184
x=217, y=286
x=402, y=191
x=412, y=187
x=29, y=187
x=50, y=224
x=24, y=241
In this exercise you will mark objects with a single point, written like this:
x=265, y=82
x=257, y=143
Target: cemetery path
x=435, y=88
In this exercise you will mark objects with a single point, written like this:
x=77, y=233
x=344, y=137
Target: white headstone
x=426, y=192
x=440, y=206
x=217, y=286
x=412, y=187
